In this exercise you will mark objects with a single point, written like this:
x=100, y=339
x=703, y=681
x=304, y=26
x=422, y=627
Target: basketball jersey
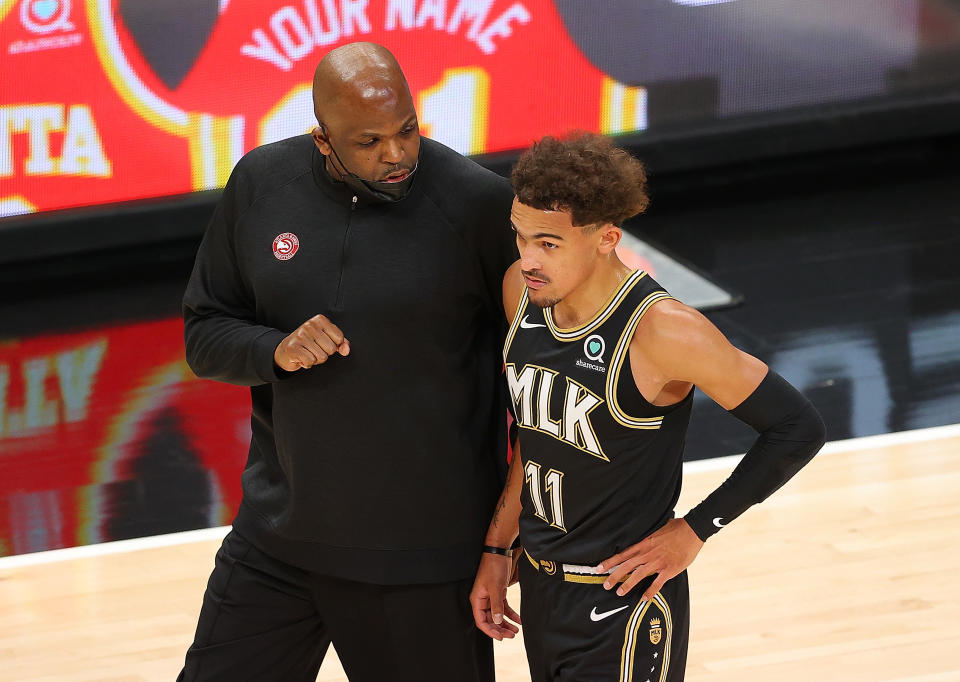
x=602, y=466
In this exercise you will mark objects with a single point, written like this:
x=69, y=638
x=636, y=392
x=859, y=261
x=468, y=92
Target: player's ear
x=319, y=135
x=609, y=238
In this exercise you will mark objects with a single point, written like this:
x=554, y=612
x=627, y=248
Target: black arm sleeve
x=222, y=339
x=791, y=433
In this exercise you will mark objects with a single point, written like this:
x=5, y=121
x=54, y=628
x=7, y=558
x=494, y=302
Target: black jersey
x=602, y=466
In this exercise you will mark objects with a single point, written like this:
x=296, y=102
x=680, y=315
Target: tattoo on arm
x=500, y=505
x=507, y=508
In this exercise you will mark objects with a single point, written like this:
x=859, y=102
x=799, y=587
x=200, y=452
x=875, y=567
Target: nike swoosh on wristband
x=594, y=616
x=529, y=325
x=717, y=521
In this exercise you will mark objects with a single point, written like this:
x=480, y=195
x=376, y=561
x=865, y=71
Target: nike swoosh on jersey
x=594, y=616
x=529, y=325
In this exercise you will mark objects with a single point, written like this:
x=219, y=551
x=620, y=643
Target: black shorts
x=575, y=631
x=264, y=620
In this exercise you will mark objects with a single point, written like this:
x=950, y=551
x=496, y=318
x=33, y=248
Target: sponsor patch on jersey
x=590, y=365
x=594, y=347
x=285, y=246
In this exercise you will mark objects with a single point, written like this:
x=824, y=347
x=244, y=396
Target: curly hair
x=585, y=174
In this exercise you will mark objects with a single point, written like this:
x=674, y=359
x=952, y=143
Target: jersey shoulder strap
x=626, y=405
x=517, y=320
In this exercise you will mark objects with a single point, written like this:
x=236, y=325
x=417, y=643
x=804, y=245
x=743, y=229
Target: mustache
x=536, y=274
x=395, y=169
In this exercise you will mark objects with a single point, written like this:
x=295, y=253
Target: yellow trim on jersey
x=665, y=609
x=578, y=332
x=628, y=653
x=630, y=641
x=516, y=323
x=572, y=577
x=591, y=579
x=619, y=354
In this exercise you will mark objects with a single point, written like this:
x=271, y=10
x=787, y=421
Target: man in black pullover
x=351, y=278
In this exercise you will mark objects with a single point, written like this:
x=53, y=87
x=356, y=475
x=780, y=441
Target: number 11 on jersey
x=553, y=485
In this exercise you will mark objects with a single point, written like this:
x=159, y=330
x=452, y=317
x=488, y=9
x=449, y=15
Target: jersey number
x=552, y=484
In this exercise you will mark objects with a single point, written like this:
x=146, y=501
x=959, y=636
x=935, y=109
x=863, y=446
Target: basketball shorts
x=575, y=631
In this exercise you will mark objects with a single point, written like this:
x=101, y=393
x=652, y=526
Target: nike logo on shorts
x=529, y=325
x=595, y=617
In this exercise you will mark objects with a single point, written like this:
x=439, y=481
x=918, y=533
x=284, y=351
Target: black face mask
x=373, y=190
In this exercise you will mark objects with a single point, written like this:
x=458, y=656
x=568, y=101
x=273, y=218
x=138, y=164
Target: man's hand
x=311, y=344
x=666, y=552
x=488, y=598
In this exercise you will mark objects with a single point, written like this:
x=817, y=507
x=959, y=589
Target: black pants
x=579, y=632
x=265, y=620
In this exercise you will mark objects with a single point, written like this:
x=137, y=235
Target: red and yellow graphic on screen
x=105, y=432
x=108, y=101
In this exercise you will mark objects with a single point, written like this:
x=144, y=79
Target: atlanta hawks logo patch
x=285, y=246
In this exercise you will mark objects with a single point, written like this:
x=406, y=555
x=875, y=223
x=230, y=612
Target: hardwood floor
x=848, y=573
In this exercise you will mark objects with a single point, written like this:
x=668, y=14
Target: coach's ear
x=609, y=238
x=319, y=135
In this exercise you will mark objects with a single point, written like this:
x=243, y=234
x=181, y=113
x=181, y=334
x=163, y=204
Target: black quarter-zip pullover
x=382, y=466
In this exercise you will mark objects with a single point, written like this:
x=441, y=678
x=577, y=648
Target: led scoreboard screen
x=111, y=100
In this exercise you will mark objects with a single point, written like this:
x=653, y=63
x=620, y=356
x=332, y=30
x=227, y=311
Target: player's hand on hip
x=666, y=552
x=312, y=343
x=488, y=598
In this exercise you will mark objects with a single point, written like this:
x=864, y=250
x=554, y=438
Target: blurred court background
x=803, y=174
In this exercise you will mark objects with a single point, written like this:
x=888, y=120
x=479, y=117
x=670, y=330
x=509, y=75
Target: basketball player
x=602, y=364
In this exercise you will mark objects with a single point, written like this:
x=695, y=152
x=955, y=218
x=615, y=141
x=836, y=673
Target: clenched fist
x=311, y=344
